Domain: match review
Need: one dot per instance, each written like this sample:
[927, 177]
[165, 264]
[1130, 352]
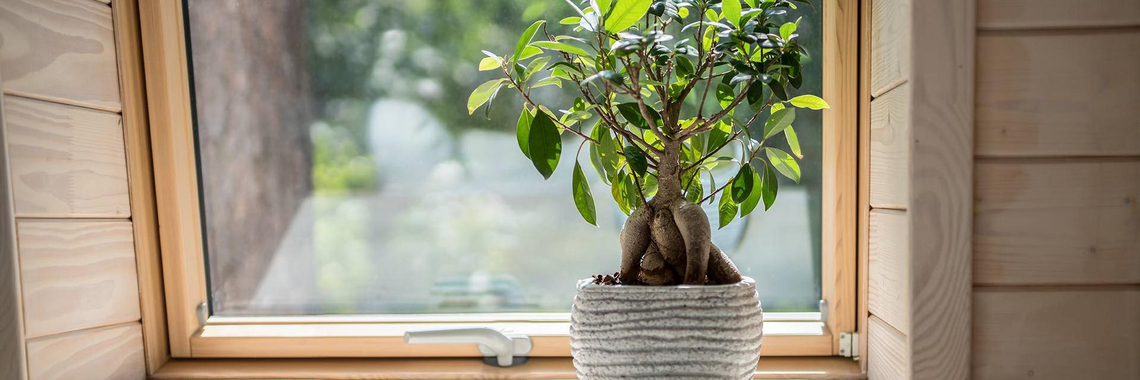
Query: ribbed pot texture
[673, 332]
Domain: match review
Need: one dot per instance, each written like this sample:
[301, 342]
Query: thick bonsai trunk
[668, 241]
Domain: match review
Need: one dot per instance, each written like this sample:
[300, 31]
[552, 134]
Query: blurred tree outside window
[342, 174]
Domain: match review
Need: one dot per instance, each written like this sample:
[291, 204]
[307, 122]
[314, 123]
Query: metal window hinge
[849, 345]
[203, 313]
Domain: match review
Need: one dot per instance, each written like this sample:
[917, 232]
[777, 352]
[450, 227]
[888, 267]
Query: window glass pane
[341, 173]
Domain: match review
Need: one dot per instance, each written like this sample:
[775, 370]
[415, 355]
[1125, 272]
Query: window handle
[503, 345]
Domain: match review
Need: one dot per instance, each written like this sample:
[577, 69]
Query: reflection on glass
[341, 173]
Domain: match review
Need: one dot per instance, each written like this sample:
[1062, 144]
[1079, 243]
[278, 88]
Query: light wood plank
[60, 50]
[940, 205]
[535, 368]
[890, 44]
[1059, 106]
[1042, 14]
[334, 339]
[1057, 222]
[839, 160]
[890, 149]
[12, 355]
[864, 197]
[175, 168]
[887, 351]
[889, 269]
[141, 181]
[66, 161]
[77, 275]
[1050, 333]
[113, 352]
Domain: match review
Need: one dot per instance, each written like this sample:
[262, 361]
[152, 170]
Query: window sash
[194, 333]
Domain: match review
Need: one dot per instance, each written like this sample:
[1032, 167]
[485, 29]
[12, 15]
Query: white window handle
[502, 345]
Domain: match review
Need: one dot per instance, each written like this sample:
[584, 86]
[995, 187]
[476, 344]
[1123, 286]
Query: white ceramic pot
[674, 332]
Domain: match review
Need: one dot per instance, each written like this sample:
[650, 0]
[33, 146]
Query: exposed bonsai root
[670, 243]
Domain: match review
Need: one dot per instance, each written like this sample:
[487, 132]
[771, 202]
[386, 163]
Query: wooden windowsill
[535, 368]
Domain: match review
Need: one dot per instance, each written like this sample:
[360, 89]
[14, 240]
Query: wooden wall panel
[1057, 221]
[1039, 14]
[11, 312]
[890, 149]
[1085, 105]
[890, 44]
[886, 352]
[66, 161]
[940, 207]
[889, 272]
[77, 275]
[114, 352]
[62, 50]
[1057, 333]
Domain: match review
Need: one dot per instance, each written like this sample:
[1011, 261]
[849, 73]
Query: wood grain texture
[890, 44]
[839, 160]
[940, 207]
[12, 355]
[535, 368]
[1041, 14]
[1059, 106]
[886, 352]
[113, 352]
[889, 269]
[175, 170]
[77, 275]
[890, 149]
[1057, 221]
[59, 50]
[323, 339]
[1057, 333]
[864, 197]
[67, 161]
[141, 183]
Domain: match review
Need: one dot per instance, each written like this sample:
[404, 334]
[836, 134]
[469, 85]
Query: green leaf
[769, 187]
[547, 82]
[742, 184]
[525, 38]
[753, 199]
[779, 120]
[684, 66]
[693, 188]
[793, 142]
[727, 207]
[725, 95]
[784, 163]
[632, 114]
[482, 94]
[809, 101]
[606, 151]
[625, 13]
[730, 9]
[787, 29]
[583, 198]
[489, 63]
[636, 161]
[718, 135]
[562, 46]
[545, 144]
[624, 192]
[522, 133]
[778, 89]
[570, 20]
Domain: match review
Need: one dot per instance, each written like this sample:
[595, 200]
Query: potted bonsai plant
[662, 82]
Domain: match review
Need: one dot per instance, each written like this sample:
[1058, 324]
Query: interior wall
[1057, 195]
[74, 240]
[920, 181]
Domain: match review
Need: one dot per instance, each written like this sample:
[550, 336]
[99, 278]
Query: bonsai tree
[662, 80]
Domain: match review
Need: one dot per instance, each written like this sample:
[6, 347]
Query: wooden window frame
[194, 334]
